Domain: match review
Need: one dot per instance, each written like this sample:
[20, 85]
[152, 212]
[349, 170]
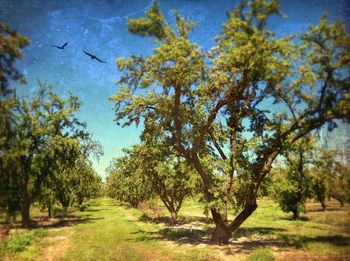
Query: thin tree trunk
[296, 214]
[49, 210]
[25, 209]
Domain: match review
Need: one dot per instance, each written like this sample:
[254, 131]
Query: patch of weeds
[20, 242]
[261, 254]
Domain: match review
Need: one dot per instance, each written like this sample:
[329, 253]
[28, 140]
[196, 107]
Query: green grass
[114, 233]
[106, 230]
[261, 255]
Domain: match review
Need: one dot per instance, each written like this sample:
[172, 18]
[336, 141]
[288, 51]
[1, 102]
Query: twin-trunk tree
[232, 111]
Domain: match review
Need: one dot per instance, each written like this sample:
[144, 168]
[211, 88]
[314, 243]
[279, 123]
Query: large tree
[240, 105]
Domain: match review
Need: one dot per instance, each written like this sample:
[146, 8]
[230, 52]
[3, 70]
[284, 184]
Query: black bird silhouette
[60, 47]
[94, 57]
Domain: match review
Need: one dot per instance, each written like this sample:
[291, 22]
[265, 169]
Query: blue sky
[99, 27]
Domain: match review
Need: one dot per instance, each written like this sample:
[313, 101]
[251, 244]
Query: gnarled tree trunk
[223, 231]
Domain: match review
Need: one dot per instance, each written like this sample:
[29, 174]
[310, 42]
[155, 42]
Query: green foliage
[11, 44]
[239, 106]
[152, 25]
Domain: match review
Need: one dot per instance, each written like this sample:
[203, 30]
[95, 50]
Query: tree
[11, 44]
[46, 137]
[126, 185]
[240, 105]
[78, 182]
[156, 172]
[330, 178]
[293, 182]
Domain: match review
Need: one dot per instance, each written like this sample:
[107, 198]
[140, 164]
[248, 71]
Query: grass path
[110, 232]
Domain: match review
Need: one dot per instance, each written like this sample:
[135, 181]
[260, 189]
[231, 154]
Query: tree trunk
[223, 213]
[295, 214]
[222, 232]
[49, 210]
[323, 205]
[25, 209]
[341, 201]
[173, 217]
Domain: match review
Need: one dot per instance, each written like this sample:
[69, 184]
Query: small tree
[292, 183]
[124, 184]
[162, 174]
[330, 177]
[73, 183]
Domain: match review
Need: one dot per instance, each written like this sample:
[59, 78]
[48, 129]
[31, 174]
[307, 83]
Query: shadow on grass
[181, 220]
[328, 209]
[301, 241]
[58, 221]
[290, 218]
[251, 231]
[178, 235]
[194, 236]
[244, 240]
[95, 210]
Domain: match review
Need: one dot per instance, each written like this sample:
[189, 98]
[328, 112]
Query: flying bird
[94, 57]
[60, 47]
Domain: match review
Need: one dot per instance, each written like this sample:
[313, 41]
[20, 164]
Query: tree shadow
[182, 220]
[95, 210]
[328, 209]
[58, 221]
[250, 231]
[178, 235]
[189, 234]
[290, 218]
[301, 241]
[66, 222]
[245, 240]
